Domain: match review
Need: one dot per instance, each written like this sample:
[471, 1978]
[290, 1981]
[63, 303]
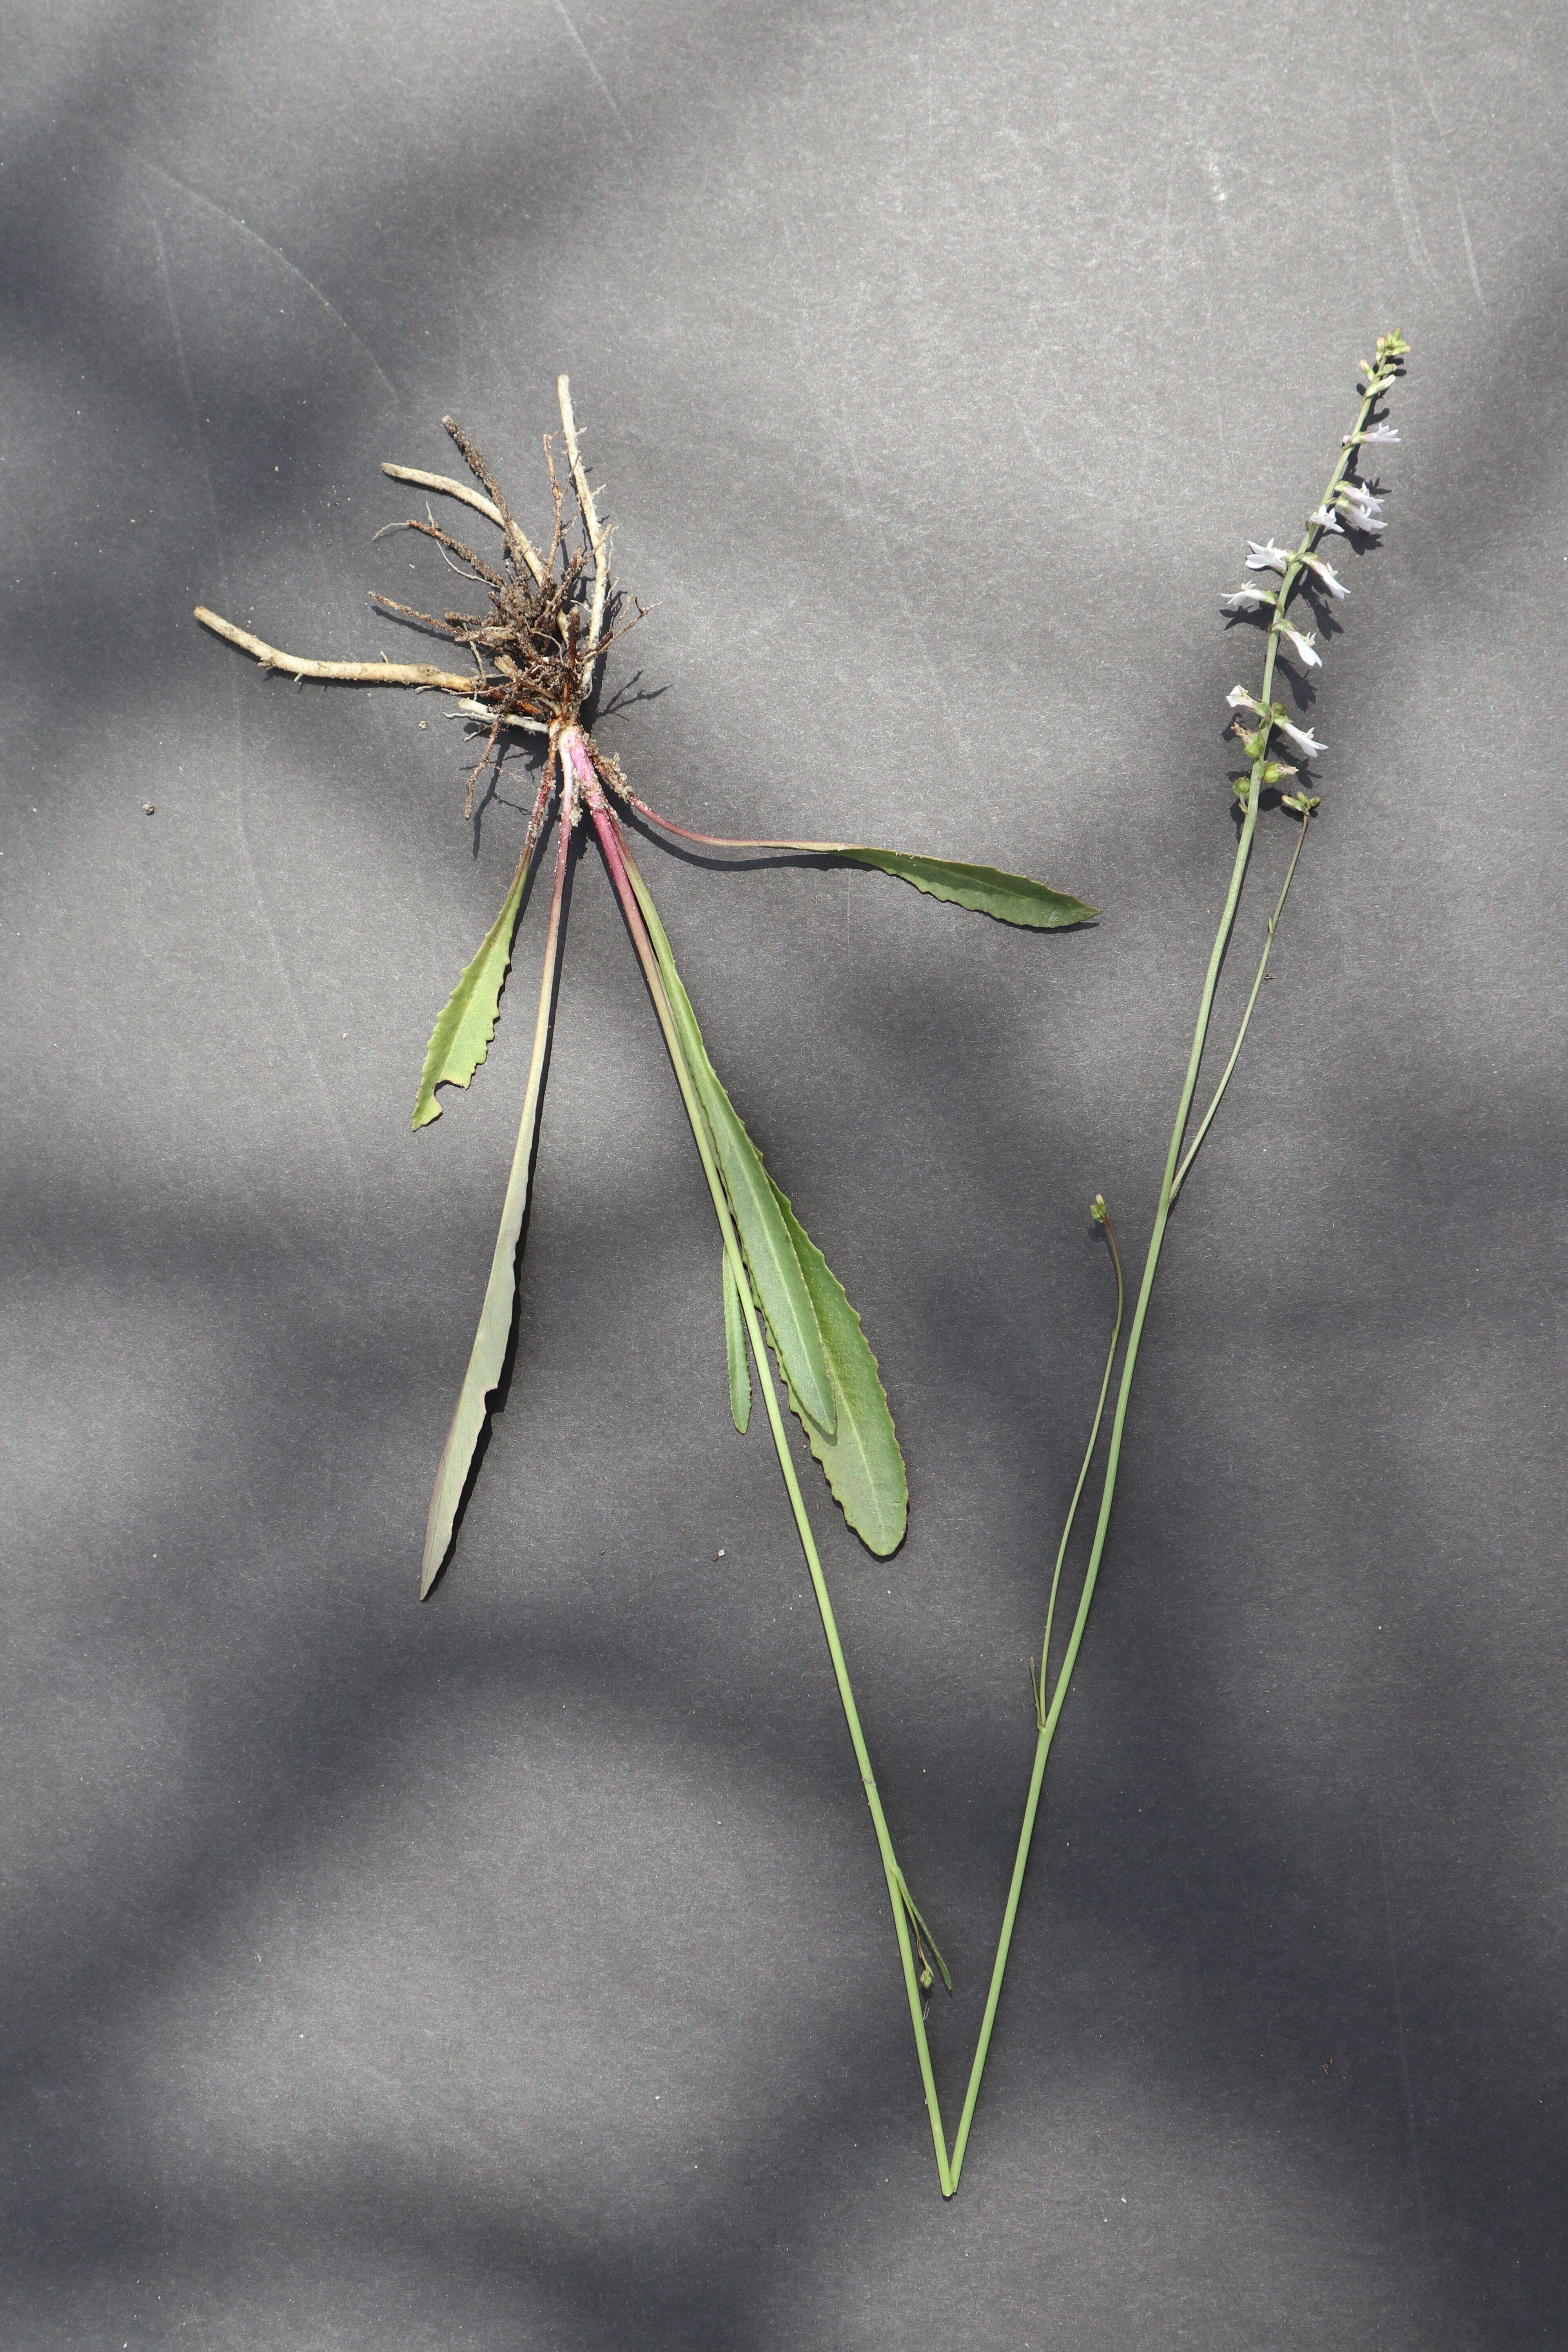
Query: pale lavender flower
[1305, 643]
[1304, 739]
[1326, 574]
[1382, 432]
[1246, 598]
[1267, 558]
[1324, 520]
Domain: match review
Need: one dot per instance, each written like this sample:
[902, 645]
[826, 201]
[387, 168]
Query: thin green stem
[1292, 570]
[1191, 1153]
[1103, 1215]
[631, 889]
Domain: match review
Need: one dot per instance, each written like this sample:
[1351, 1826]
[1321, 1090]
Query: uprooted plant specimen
[536, 649]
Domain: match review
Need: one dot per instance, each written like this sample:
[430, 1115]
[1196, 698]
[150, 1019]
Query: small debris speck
[147, 809]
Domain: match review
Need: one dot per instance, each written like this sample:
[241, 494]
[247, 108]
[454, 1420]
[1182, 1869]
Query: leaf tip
[826, 1427]
[437, 1544]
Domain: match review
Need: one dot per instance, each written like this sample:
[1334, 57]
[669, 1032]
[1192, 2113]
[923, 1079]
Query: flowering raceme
[1348, 505]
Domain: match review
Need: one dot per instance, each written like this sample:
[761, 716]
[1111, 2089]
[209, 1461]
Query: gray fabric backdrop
[516, 1971]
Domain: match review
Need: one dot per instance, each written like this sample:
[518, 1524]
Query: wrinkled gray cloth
[517, 1971]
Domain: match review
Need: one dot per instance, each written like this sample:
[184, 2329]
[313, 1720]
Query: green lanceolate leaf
[735, 1349]
[766, 1243]
[1010, 898]
[764, 1238]
[489, 1352]
[861, 1461]
[485, 1360]
[461, 1037]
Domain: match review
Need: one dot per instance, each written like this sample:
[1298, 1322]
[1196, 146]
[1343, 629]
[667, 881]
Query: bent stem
[631, 889]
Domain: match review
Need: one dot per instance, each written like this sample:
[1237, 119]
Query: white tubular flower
[1305, 741]
[1268, 558]
[1247, 599]
[1238, 698]
[1364, 512]
[1305, 642]
[1323, 520]
[1325, 572]
[1381, 433]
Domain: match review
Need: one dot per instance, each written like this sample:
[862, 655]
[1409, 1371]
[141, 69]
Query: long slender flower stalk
[1347, 505]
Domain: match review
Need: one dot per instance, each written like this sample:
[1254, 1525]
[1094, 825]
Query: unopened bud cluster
[1348, 508]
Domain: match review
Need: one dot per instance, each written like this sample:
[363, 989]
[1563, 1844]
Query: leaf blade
[466, 1022]
[735, 1349]
[484, 1368]
[862, 1462]
[766, 1241]
[487, 1355]
[985, 889]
